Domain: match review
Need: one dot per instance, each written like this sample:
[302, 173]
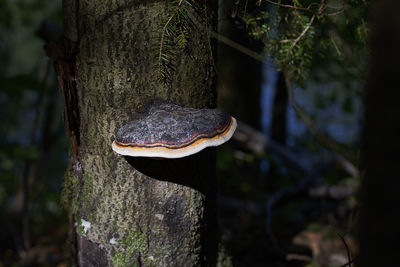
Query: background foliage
[33, 147]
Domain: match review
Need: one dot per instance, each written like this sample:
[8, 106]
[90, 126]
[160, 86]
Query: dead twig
[255, 141]
[340, 11]
[305, 30]
[350, 260]
[302, 34]
[249, 139]
[278, 196]
[237, 46]
[298, 257]
[308, 9]
[336, 192]
[322, 138]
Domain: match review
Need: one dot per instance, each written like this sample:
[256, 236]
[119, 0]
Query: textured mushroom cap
[167, 130]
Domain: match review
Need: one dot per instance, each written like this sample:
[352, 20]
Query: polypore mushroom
[167, 130]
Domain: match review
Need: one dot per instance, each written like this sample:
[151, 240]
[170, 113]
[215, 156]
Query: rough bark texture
[137, 212]
[379, 217]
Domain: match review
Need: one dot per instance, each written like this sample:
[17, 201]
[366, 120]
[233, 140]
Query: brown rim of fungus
[166, 130]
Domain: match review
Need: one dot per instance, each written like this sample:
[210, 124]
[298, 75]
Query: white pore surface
[162, 152]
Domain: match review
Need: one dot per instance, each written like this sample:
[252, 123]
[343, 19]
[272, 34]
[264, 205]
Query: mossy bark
[139, 212]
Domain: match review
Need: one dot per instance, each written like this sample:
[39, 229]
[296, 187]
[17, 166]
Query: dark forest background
[293, 75]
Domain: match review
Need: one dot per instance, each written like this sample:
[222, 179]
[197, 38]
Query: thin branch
[255, 141]
[237, 46]
[350, 262]
[340, 11]
[298, 257]
[249, 139]
[304, 186]
[278, 196]
[346, 165]
[336, 47]
[321, 137]
[349, 258]
[305, 30]
[308, 9]
[336, 192]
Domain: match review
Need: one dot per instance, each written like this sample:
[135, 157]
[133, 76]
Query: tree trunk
[240, 76]
[137, 212]
[379, 200]
[278, 125]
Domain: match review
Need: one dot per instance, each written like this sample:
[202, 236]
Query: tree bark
[278, 125]
[379, 222]
[136, 211]
[240, 76]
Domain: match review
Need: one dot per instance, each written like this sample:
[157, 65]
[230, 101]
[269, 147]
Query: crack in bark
[63, 54]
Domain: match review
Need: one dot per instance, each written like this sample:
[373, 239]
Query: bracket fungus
[167, 130]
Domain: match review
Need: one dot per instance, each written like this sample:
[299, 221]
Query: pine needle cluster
[301, 34]
[175, 37]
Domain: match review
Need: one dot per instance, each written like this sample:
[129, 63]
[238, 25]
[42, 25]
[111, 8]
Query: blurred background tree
[378, 230]
[33, 146]
[293, 202]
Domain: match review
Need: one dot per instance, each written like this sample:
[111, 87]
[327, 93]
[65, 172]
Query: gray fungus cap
[167, 130]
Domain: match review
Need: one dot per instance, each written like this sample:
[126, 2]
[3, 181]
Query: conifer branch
[164, 31]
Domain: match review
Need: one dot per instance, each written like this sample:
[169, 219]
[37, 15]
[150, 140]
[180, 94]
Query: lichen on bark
[132, 246]
[69, 193]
